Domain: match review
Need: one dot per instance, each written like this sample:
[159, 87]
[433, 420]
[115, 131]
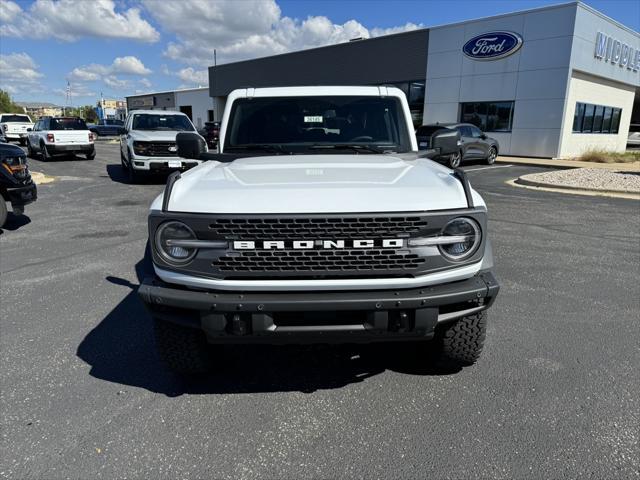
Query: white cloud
[248, 29]
[77, 91]
[70, 20]
[193, 77]
[19, 74]
[8, 11]
[117, 83]
[128, 65]
[145, 82]
[18, 67]
[407, 27]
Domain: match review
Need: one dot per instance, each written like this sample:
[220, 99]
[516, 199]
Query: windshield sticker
[313, 119]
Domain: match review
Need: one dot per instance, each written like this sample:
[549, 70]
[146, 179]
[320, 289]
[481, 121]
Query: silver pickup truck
[317, 221]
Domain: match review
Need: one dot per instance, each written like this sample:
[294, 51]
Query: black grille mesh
[318, 260]
[161, 149]
[316, 228]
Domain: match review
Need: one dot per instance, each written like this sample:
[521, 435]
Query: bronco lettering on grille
[317, 244]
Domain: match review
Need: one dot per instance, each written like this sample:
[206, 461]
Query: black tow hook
[239, 325]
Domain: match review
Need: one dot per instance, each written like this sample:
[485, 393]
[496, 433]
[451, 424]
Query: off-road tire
[30, 152]
[91, 156]
[3, 211]
[184, 350]
[22, 141]
[460, 343]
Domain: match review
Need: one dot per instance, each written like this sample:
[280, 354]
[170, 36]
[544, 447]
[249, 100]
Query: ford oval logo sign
[492, 45]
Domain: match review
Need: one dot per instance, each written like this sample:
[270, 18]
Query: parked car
[14, 126]
[16, 185]
[211, 133]
[474, 144]
[60, 136]
[148, 143]
[106, 127]
[633, 140]
[319, 221]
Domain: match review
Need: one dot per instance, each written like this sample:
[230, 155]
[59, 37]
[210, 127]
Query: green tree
[7, 105]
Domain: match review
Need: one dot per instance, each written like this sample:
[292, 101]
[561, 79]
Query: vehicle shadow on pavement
[121, 349]
[117, 174]
[14, 222]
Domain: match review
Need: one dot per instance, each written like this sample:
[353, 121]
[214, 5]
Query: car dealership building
[549, 82]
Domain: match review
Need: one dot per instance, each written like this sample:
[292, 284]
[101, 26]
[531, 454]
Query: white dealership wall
[199, 101]
[542, 77]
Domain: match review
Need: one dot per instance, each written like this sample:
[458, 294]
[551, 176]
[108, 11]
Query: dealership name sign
[492, 45]
[618, 53]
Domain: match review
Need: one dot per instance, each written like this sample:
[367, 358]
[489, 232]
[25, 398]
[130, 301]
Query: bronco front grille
[360, 260]
[316, 227]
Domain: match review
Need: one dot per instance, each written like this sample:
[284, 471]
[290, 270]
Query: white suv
[148, 143]
[13, 126]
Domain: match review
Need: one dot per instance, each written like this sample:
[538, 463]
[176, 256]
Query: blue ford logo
[492, 45]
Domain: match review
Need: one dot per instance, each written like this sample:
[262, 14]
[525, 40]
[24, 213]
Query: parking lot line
[487, 168]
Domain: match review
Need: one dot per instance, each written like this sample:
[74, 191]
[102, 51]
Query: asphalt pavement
[83, 394]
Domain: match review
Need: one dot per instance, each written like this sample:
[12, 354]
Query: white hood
[317, 184]
[154, 135]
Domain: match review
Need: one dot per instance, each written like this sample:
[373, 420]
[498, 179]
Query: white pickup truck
[148, 143]
[60, 136]
[319, 221]
[14, 126]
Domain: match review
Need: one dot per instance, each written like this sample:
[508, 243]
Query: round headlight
[468, 232]
[170, 242]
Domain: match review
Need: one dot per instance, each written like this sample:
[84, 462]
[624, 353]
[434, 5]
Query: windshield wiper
[264, 147]
[349, 146]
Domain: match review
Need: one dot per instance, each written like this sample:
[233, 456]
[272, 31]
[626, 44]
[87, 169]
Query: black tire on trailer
[184, 350]
[459, 343]
[3, 211]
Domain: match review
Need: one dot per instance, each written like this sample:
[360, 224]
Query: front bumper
[23, 195]
[162, 165]
[318, 317]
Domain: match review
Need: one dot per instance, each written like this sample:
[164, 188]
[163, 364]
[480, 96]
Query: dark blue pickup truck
[107, 127]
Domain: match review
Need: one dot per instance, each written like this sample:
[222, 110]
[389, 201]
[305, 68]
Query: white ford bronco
[318, 221]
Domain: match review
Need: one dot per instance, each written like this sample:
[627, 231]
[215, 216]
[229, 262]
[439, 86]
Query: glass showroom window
[589, 118]
[488, 116]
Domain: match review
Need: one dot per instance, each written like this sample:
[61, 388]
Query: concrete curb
[547, 187]
[40, 178]
[564, 164]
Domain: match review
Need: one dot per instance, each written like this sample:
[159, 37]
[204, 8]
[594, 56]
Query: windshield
[67, 124]
[16, 118]
[179, 123]
[302, 123]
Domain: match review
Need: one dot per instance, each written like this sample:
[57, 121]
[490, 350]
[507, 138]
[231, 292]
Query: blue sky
[121, 47]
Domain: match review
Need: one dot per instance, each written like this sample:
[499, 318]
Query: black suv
[16, 185]
[474, 144]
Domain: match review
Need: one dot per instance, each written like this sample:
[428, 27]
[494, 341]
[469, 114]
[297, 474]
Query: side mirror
[190, 145]
[29, 129]
[483, 136]
[446, 141]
